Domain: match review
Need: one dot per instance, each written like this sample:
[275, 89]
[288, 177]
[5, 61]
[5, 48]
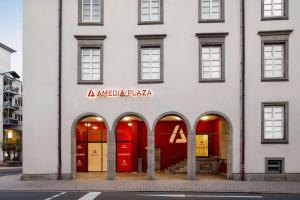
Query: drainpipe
[242, 94]
[59, 177]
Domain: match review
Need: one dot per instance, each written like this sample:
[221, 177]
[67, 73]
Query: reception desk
[207, 165]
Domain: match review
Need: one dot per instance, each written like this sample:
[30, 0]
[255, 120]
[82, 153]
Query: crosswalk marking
[90, 196]
[55, 196]
[200, 196]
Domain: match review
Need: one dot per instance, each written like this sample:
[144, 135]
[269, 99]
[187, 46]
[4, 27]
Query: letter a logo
[178, 140]
[91, 94]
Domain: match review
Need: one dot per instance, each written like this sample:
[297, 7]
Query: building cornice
[211, 35]
[7, 48]
[276, 32]
[90, 37]
[150, 37]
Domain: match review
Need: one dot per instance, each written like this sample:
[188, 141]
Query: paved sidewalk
[13, 183]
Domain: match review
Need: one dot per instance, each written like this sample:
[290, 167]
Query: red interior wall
[212, 129]
[136, 137]
[171, 153]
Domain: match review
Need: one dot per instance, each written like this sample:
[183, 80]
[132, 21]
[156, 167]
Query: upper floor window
[90, 12]
[274, 123]
[211, 10]
[150, 11]
[212, 57]
[150, 58]
[90, 59]
[274, 9]
[274, 55]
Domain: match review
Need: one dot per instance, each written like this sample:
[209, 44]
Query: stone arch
[183, 117]
[230, 138]
[73, 138]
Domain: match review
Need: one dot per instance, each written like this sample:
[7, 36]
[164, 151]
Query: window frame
[285, 126]
[150, 41]
[285, 12]
[89, 42]
[282, 159]
[212, 39]
[80, 15]
[222, 14]
[161, 14]
[275, 37]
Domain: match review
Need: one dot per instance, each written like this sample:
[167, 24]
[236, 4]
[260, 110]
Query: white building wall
[258, 92]
[180, 91]
[40, 87]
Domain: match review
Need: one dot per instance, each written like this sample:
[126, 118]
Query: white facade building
[178, 63]
[10, 107]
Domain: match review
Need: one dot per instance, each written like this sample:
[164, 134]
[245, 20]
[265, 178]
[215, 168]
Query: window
[150, 58]
[273, 60]
[211, 62]
[274, 123]
[211, 10]
[90, 64]
[212, 57]
[274, 55]
[90, 59]
[274, 9]
[150, 11]
[150, 61]
[274, 165]
[90, 12]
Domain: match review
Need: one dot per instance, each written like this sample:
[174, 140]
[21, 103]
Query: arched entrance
[131, 132]
[90, 147]
[170, 142]
[213, 146]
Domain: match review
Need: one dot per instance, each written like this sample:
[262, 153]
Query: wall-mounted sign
[176, 131]
[92, 94]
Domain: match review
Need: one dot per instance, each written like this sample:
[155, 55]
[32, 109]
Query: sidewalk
[13, 183]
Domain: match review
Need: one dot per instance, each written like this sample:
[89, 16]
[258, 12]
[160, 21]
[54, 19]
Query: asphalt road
[141, 196]
[7, 172]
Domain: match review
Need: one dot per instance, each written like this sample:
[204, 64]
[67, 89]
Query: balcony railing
[11, 89]
[9, 104]
[11, 121]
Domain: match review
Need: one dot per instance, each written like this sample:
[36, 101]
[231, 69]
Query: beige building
[161, 87]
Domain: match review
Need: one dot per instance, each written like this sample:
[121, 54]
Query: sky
[11, 20]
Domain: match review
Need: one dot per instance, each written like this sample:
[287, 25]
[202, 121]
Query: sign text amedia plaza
[104, 93]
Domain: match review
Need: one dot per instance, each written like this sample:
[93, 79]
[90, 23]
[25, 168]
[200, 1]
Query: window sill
[90, 24]
[274, 141]
[211, 80]
[150, 23]
[150, 81]
[211, 21]
[90, 82]
[274, 18]
[274, 80]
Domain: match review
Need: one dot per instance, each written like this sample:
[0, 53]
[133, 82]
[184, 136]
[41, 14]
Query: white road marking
[90, 196]
[55, 196]
[225, 196]
[200, 196]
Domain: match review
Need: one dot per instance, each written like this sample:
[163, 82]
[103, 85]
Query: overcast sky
[11, 17]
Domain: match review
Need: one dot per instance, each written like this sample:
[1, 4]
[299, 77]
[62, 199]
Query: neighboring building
[155, 86]
[10, 107]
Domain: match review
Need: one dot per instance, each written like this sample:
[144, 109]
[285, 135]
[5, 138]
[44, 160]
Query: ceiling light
[126, 118]
[95, 127]
[99, 119]
[10, 135]
[204, 118]
[129, 124]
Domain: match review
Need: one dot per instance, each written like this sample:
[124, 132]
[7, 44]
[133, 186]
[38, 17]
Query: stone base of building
[291, 177]
[41, 177]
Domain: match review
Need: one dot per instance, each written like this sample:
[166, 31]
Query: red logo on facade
[91, 94]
